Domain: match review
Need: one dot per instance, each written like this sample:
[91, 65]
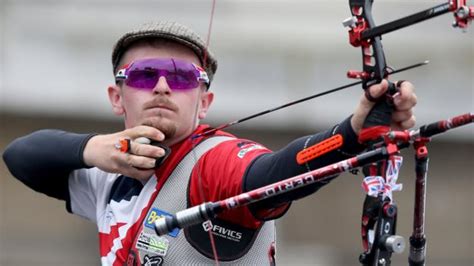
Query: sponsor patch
[246, 148]
[156, 214]
[243, 143]
[152, 243]
[152, 261]
[221, 231]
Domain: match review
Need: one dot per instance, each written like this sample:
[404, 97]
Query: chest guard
[192, 246]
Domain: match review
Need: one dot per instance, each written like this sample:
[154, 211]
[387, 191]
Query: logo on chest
[152, 261]
[155, 214]
[221, 231]
[153, 244]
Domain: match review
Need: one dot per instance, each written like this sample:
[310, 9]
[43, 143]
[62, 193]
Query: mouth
[161, 105]
[160, 111]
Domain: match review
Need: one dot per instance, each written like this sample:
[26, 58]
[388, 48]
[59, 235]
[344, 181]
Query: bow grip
[379, 118]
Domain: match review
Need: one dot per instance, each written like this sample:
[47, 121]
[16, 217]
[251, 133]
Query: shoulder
[237, 149]
[221, 169]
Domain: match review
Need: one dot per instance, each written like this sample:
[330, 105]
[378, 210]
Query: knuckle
[160, 152]
[130, 160]
[129, 131]
[114, 156]
[137, 148]
[150, 163]
[406, 115]
[115, 167]
[143, 162]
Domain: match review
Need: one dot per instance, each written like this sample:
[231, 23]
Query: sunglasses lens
[181, 79]
[179, 74]
[142, 79]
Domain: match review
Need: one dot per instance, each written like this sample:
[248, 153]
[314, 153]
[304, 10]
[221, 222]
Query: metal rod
[406, 21]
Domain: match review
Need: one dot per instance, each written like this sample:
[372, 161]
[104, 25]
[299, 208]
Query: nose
[162, 87]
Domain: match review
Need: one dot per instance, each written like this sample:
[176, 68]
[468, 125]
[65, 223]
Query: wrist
[356, 124]
[87, 152]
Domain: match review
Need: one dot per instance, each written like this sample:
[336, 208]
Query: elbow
[12, 158]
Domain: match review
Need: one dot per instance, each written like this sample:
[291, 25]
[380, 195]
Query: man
[163, 72]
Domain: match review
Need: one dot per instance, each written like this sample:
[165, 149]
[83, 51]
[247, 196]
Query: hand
[404, 101]
[138, 163]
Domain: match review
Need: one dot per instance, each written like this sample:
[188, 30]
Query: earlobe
[206, 100]
[115, 98]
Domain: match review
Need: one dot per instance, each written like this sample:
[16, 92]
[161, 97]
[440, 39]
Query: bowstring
[195, 141]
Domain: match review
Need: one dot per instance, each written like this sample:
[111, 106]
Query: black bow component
[379, 215]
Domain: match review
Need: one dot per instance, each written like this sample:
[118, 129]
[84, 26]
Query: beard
[166, 126]
[158, 120]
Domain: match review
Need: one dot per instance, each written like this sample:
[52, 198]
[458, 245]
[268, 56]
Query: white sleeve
[88, 191]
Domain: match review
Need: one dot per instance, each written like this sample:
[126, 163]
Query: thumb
[365, 105]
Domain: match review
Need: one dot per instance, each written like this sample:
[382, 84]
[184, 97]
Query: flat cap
[171, 31]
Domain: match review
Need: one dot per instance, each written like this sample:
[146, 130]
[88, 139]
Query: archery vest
[191, 246]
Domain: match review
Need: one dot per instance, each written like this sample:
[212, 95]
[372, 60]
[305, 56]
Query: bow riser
[365, 34]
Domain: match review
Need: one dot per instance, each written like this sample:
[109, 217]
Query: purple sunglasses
[179, 74]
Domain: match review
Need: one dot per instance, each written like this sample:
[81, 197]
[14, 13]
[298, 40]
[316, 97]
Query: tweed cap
[171, 31]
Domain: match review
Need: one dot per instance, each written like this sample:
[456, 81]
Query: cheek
[133, 101]
[190, 104]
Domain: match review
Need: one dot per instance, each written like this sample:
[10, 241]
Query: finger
[409, 123]
[365, 105]
[121, 164]
[145, 131]
[376, 91]
[400, 116]
[406, 98]
[406, 124]
[140, 161]
[146, 150]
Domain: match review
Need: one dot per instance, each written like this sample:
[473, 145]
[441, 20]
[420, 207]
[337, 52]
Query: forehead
[162, 50]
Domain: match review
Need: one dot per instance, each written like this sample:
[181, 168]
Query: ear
[206, 100]
[115, 98]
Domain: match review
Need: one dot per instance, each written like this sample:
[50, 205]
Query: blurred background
[55, 68]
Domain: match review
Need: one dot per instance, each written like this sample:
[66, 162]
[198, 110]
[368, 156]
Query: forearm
[44, 159]
[277, 166]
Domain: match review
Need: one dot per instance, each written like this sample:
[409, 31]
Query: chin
[166, 126]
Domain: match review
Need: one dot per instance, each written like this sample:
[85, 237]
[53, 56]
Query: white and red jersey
[123, 207]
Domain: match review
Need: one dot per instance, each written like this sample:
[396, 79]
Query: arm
[273, 167]
[270, 168]
[44, 159]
